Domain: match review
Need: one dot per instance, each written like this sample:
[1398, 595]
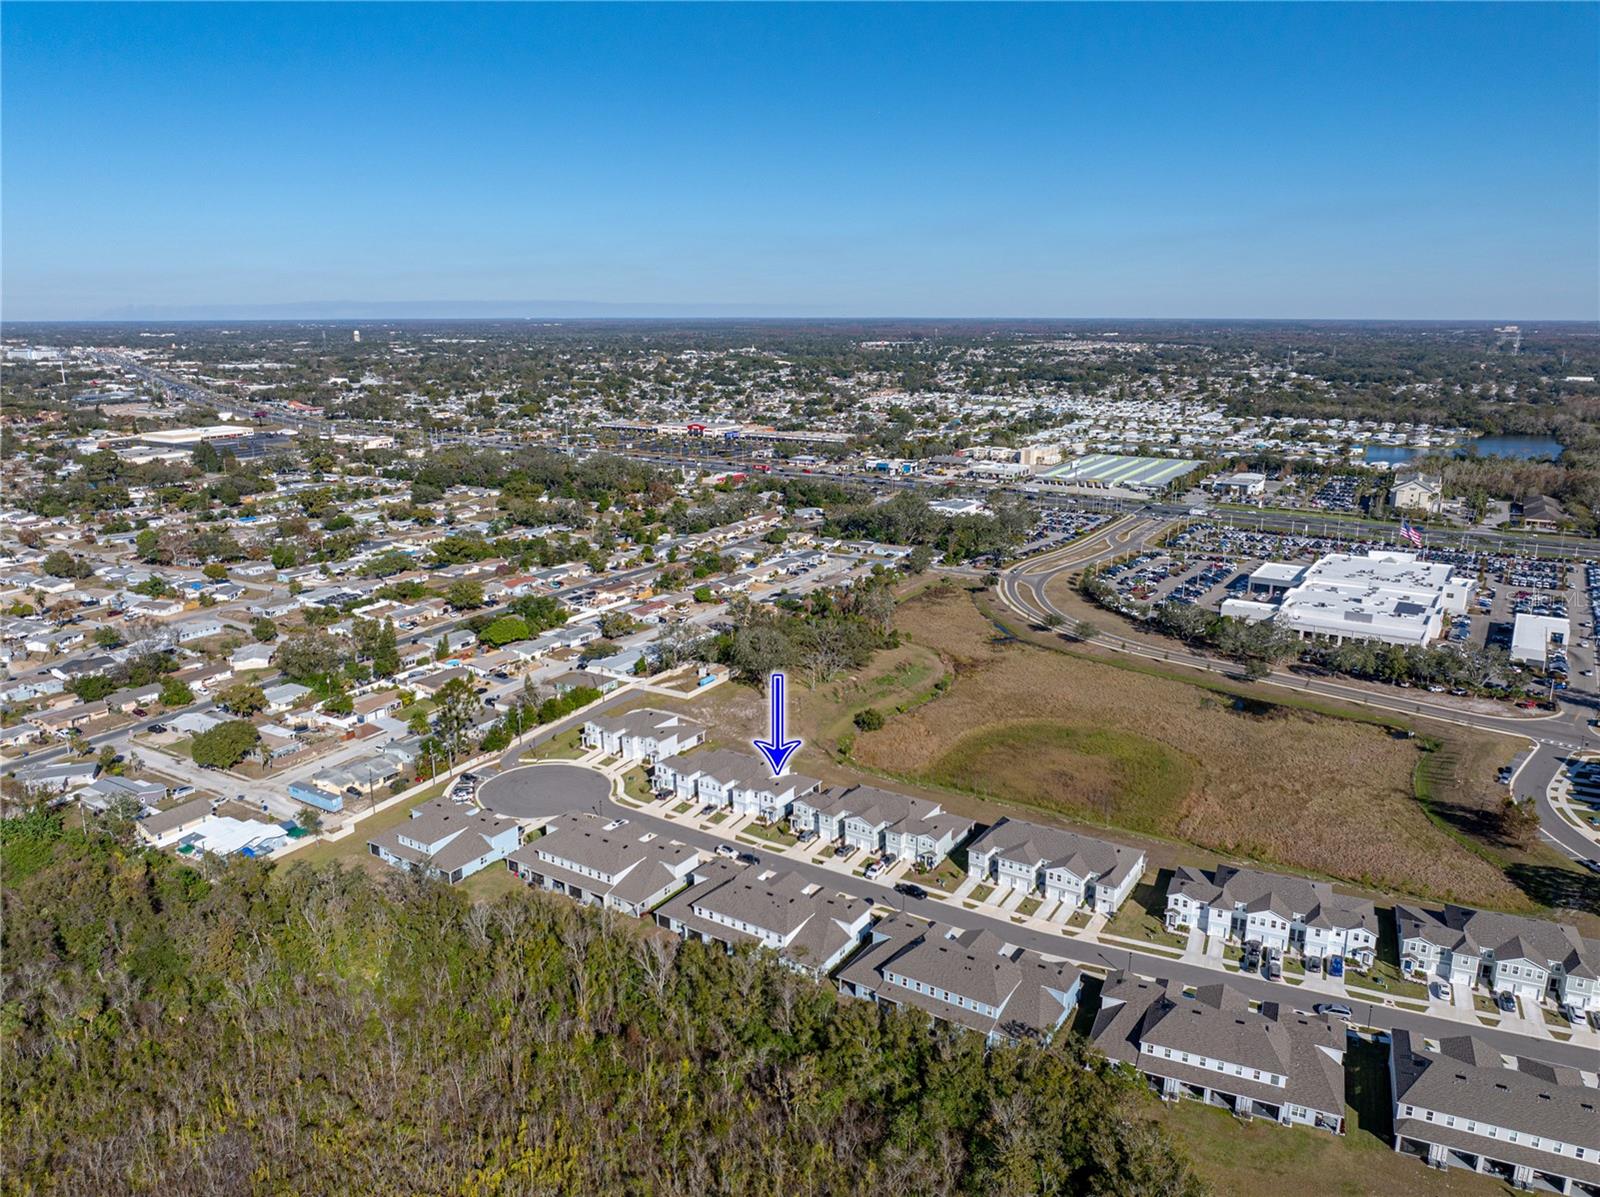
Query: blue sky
[1393, 161]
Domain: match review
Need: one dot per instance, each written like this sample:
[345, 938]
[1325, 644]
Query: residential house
[810, 927]
[1210, 1044]
[1274, 910]
[1061, 865]
[167, 827]
[447, 839]
[644, 735]
[1533, 959]
[251, 656]
[883, 821]
[197, 627]
[285, 695]
[605, 863]
[1461, 1103]
[58, 778]
[739, 781]
[970, 978]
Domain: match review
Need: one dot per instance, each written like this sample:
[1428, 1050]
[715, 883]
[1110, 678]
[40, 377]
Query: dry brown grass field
[1092, 741]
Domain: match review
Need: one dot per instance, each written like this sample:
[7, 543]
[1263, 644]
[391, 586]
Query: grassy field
[1258, 1156]
[1126, 778]
[567, 746]
[1075, 737]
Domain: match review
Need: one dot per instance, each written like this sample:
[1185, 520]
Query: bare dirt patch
[1275, 784]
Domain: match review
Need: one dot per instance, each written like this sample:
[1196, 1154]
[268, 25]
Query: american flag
[1411, 532]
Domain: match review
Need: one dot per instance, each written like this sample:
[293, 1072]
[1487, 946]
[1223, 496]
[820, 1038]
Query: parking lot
[1059, 525]
[1207, 562]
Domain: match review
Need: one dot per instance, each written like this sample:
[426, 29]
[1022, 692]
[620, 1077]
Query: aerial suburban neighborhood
[795, 600]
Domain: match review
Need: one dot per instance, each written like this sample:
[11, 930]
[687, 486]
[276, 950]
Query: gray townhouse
[1533, 959]
[809, 927]
[880, 821]
[1061, 865]
[1211, 1045]
[738, 781]
[605, 863]
[971, 979]
[1460, 1103]
[449, 841]
[1274, 910]
[645, 735]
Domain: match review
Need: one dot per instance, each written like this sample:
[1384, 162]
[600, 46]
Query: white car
[727, 851]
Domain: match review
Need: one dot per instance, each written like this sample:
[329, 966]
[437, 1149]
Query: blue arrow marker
[775, 748]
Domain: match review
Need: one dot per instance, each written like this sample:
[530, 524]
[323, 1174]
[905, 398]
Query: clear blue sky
[1404, 161]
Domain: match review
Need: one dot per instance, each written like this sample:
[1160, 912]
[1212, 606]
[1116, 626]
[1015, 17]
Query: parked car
[910, 891]
[1438, 991]
[749, 858]
[873, 870]
[727, 851]
[1337, 1009]
[1592, 865]
[1506, 1002]
[158, 728]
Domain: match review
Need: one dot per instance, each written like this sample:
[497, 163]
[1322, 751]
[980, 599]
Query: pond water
[1525, 448]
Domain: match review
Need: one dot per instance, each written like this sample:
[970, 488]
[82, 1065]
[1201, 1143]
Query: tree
[702, 594]
[1053, 620]
[465, 594]
[176, 694]
[1085, 629]
[456, 709]
[1519, 822]
[310, 658]
[243, 698]
[339, 704]
[385, 651]
[616, 623]
[214, 570]
[62, 564]
[309, 820]
[225, 745]
[870, 719]
[919, 559]
[264, 629]
[418, 722]
[206, 458]
[508, 629]
[107, 637]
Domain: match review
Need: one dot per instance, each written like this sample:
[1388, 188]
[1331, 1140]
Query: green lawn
[565, 747]
[1029, 905]
[490, 883]
[773, 834]
[1386, 976]
[354, 846]
[637, 786]
[946, 876]
[1143, 915]
[982, 893]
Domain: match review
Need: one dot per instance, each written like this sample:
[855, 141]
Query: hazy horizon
[794, 161]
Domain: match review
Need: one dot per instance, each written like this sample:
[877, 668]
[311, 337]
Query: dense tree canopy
[316, 1030]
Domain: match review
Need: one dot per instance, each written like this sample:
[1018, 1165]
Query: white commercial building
[1532, 635]
[1386, 596]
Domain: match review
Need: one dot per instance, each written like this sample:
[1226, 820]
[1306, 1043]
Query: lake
[1524, 448]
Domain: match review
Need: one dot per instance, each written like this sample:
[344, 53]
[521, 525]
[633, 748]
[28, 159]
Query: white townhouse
[735, 780]
[1062, 865]
[1460, 1103]
[880, 821]
[1533, 959]
[811, 928]
[447, 840]
[644, 735]
[605, 863]
[1274, 910]
[1210, 1044]
[972, 979]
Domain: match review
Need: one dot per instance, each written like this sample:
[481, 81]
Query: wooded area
[314, 1030]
